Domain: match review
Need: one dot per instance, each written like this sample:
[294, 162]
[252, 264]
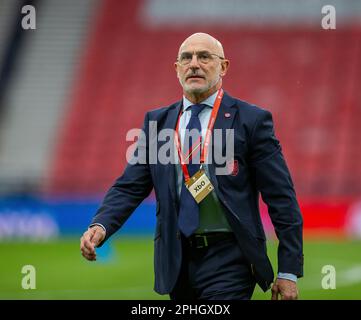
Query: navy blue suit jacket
[261, 170]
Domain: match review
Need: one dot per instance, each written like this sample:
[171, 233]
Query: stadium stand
[308, 77]
[37, 91]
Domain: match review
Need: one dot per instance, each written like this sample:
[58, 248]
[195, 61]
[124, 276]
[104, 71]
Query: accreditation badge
[199, 185]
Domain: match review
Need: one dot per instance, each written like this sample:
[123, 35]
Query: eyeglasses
[202, 56]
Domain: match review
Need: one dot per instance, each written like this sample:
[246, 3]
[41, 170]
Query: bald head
[204, 40]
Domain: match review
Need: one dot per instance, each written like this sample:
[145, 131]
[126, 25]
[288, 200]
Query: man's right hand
[90, 240]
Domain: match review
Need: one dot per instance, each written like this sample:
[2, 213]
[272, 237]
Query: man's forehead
[201, 44]
[196, 46]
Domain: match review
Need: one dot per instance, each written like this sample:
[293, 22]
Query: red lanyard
[198, 144]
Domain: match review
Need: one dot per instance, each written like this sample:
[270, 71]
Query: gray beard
[199, 91]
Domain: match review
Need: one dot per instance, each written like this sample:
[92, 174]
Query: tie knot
[197, 108]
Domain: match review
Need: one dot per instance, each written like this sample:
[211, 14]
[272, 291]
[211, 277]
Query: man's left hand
[287, 289]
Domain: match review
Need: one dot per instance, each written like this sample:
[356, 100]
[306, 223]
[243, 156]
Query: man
[211, 244]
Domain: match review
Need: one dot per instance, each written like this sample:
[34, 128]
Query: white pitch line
[350, 276]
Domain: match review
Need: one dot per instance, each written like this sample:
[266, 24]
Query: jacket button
[178, 235]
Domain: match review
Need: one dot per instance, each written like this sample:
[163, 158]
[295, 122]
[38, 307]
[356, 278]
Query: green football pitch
[124, 270]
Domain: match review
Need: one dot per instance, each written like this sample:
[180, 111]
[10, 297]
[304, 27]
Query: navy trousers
[216, 272]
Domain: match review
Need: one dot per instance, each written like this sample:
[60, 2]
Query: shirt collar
[209, 101]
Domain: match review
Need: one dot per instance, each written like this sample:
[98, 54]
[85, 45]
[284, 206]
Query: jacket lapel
[224, 121]
[170, 123]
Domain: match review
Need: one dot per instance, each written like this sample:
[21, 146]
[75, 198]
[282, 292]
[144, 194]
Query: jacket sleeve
[273, 180]
[128, 191]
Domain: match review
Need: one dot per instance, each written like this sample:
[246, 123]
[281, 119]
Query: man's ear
[224, 67]
[176, 68]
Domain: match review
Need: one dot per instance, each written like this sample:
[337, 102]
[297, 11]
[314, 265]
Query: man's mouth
[194, 77]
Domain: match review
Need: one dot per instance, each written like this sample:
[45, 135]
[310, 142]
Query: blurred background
[71, 88]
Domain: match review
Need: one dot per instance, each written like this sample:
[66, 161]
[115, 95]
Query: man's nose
[194, 62]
